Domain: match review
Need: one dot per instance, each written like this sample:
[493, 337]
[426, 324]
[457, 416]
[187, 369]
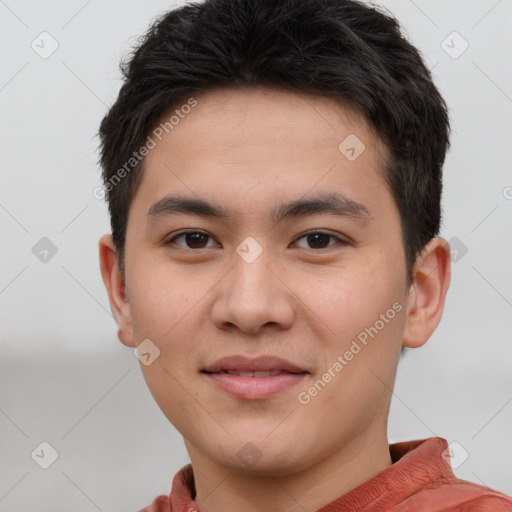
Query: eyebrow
[331, 203]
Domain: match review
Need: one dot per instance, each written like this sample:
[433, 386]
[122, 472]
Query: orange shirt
[419, 479]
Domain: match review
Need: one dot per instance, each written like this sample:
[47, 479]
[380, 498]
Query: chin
[255, 456]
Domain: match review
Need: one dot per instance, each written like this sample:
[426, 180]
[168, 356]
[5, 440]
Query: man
[273, 174]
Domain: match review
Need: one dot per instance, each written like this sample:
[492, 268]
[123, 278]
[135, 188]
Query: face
[320, 284]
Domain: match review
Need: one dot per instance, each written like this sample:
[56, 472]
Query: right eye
[193, 239]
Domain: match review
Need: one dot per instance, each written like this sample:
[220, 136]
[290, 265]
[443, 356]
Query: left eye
[319, 238]
[198, 240]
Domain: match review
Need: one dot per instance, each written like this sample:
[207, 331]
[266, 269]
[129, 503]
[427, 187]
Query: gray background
[67, 380]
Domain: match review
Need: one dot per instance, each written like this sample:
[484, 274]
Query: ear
[115, 286]
[432, 272]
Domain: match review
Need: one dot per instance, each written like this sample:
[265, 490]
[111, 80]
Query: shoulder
[487, 499]
[460, 496]
[483, 498]
[491, 502]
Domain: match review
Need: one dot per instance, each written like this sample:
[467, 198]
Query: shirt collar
[414, 464]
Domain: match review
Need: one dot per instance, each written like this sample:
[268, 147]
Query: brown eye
[193, 239]
[319, 239]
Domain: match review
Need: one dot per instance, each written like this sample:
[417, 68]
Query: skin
[250, 151]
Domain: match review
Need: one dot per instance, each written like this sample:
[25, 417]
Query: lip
[254, 388]
[246, 364]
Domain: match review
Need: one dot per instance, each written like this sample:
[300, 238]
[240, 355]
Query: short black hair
[346, 50]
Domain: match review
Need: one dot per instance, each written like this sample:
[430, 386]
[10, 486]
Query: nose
[254, 295]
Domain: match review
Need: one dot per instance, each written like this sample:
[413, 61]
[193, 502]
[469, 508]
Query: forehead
[251, 115]
[263, 143]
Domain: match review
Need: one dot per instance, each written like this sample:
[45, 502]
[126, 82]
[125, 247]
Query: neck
[221, 489]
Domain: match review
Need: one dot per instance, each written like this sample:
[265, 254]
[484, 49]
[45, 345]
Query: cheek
[160, 299]
[173, 393]
[164, 314]
[361, 302]
[342, 300]
[164, 305]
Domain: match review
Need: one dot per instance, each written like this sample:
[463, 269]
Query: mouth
[257, 374]
[258, 366]
[254, 379]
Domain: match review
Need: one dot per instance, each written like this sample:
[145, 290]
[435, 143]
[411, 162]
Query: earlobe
[115, 286]
[125, 337]
[428, 292]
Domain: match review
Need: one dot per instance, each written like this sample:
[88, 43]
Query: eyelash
[183, 233]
